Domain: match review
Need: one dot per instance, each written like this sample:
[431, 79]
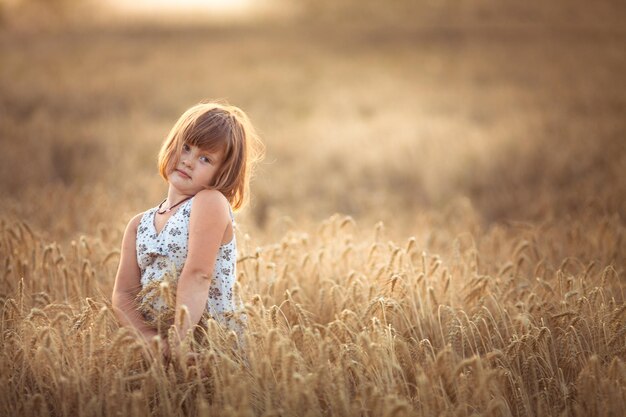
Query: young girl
[207, 161]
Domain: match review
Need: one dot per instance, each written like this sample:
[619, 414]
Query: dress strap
[232, 216]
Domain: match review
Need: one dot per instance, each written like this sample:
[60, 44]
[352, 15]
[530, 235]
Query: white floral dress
[158, 253]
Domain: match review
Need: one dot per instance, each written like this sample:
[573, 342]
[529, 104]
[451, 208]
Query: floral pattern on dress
[214, 293]
[162, 252]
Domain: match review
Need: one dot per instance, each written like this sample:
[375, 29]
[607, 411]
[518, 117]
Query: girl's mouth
[182, 174]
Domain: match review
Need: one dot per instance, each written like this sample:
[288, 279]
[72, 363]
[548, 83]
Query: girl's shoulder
[133, 224]
[210, 219]
[211, 195]
[212, 201]
[136, 221]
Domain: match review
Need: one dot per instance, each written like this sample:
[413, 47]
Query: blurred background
[398, 111]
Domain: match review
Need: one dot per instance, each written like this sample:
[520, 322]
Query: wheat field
[438, 228]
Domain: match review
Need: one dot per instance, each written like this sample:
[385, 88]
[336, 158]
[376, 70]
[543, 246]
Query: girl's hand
[148, 334]
[167, 356]
[158, 346]
[189, 358]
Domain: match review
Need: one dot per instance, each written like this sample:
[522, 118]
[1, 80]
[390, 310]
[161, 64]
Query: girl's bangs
[212, 144]
[213, 139]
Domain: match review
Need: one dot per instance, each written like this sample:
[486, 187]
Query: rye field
[438, 227]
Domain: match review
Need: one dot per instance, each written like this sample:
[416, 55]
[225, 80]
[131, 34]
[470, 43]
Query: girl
[207, 160]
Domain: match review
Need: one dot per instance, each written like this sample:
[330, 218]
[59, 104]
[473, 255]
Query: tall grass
[341, 322]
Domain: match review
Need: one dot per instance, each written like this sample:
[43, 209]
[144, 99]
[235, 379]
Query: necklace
[167, 210]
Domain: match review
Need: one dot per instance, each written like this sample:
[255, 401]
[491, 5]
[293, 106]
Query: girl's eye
[186, 147]
[205, 159]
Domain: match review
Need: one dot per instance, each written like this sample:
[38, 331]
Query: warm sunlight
[183, 6]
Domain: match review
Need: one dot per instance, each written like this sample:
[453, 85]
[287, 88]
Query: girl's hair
[214, 126]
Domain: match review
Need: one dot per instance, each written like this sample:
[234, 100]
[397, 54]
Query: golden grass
[493, 154]
[341, 322]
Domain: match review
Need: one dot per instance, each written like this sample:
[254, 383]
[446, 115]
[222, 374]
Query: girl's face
[194, 170]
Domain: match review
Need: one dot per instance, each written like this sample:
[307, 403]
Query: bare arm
[127, 284]
[207, 224]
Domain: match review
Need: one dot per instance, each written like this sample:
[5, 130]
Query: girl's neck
[174, 196]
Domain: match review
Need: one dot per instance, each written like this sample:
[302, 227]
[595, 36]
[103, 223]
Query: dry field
[438, 228]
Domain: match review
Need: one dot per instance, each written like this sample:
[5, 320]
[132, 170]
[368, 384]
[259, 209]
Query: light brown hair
[213, 126]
